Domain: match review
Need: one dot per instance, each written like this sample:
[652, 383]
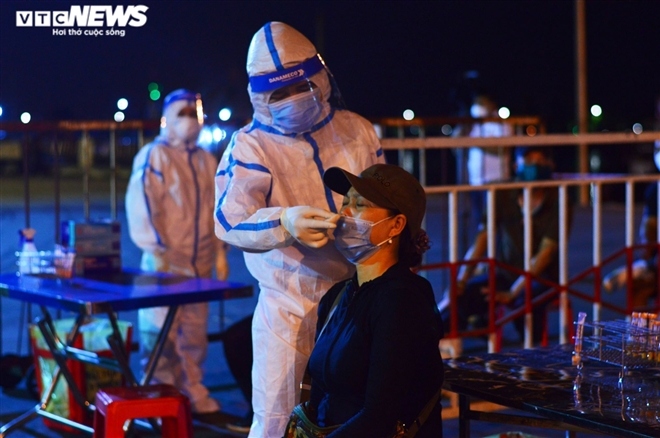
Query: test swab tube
[577, 351]
[655, 340]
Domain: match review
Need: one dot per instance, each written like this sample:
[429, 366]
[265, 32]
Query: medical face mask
[534, 172]
[297, 113]
[478, 111]
[353, 238]
[186, 128]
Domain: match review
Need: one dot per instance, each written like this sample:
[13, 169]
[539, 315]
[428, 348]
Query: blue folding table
[105, 294]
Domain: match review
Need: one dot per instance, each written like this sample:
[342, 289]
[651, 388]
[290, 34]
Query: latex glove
[309, 225]
[221, 265]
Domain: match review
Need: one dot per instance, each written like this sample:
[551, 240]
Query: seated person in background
[473, 292]
[649, 235]
[376, 358]
[644, 269]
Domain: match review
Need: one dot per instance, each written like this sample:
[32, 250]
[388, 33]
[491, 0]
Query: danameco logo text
[92, 18]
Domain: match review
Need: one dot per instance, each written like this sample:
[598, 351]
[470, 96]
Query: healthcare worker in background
[169, 208]
[272, 203]
[486, 164]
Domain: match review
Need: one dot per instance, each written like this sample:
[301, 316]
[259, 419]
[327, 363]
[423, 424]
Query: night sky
[386, 56]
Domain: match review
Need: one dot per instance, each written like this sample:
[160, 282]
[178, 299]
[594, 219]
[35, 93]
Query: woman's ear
[400, 222]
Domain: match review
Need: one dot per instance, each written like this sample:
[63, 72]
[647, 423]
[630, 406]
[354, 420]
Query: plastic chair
[116, 405]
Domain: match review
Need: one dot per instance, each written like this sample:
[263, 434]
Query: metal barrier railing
[590, 187]
[72, 141]
[592, 183]
[562, 184]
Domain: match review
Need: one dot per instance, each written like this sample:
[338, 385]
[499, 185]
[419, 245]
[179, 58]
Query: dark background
[386, 55]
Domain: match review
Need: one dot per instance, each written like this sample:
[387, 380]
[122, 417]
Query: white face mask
[353, 238]
[186, 129]
[478, 111]
[297, 113]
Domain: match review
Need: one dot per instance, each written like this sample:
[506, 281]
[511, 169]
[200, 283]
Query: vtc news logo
[85, 16]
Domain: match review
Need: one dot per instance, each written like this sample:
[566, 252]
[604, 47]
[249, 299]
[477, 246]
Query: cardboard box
[97, 247]
[84, 265]
[73, 231]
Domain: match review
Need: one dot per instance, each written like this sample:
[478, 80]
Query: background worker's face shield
[295, 101]
[183, 118]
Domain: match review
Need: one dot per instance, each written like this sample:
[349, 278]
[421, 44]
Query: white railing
[588, 182]
[563, 183]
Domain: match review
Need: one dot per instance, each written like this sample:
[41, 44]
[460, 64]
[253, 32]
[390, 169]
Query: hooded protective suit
[266, 168]
[169, 208]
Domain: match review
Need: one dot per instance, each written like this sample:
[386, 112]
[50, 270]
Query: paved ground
[218, 378]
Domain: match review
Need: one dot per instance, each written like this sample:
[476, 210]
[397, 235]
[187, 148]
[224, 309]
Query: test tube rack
[629, 344]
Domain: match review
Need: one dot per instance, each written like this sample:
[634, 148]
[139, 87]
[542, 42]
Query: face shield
[295, 99]
[183, 118]
[478, 111]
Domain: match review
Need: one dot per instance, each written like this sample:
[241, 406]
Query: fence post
[597, 248]
[491, 251]
[453, 254]
[113, 173]
[528, 250]
[563, 262]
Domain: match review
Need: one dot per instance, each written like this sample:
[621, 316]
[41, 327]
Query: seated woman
[376, 360]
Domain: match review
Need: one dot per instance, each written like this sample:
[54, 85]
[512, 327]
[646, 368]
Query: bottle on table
[28, 256]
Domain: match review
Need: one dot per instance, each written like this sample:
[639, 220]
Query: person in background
[649, 226]
[645, 286]
[644, 270]
[485, 164]
[271, 203]
[473, 291]
[376, 359]
[169, 208]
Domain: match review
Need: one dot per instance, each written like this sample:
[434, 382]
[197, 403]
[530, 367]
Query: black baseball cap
[386, 185]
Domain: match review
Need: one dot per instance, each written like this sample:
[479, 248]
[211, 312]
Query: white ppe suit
[169, 209]
[488, 164]
[264, 170]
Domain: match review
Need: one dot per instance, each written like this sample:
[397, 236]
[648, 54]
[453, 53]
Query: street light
[26, 117]
[154, 91]
[122, 104]
[224, 114]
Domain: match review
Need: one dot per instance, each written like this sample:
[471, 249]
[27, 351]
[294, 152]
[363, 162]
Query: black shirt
[510, 232]
[377, 361]
[651, 200]
[651, 211]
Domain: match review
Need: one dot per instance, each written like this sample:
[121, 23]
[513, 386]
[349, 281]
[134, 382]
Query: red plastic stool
[116, 405]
